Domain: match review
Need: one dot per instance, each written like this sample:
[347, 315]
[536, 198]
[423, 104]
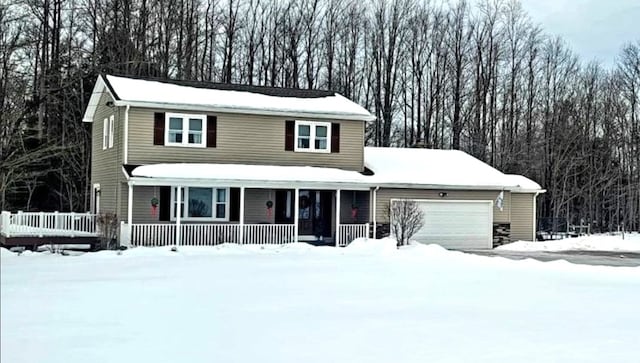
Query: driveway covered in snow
[601, 258]
[606, 250]
[366, 303]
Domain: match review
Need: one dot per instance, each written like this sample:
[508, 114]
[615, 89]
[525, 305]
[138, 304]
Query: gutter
[146, 181]
[249, 111]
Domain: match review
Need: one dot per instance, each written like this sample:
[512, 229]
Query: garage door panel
[456, 224]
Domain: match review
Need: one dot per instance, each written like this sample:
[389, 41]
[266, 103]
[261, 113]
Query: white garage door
[457, 224]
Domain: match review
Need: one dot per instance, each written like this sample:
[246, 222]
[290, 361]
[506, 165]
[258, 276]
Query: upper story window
[313, 136]
[108, 131]
[185, 130]
[201, 204]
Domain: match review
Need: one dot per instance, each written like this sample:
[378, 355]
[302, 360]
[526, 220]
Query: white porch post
[337, 217]
[296, 213]
[130, 208]
[129, 230]
[178, 214]
[241, 215]
[375, 200]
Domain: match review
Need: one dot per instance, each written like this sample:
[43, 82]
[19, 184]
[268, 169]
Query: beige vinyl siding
[106, 165]
[243, 139]
[141, 204]
[384, 196]
[346, 204]
[255, 206]
[522, 219]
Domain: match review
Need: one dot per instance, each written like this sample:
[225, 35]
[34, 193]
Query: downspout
[375, 202]
[126, 135]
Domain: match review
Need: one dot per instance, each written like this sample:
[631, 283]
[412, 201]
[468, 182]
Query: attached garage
[457, 224]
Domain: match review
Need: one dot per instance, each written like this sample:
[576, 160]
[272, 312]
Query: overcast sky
[595, 29]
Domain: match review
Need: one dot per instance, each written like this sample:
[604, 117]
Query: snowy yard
[630, 242]
[365, 303]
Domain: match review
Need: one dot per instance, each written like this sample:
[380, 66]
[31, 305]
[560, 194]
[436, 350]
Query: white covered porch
[244, 209]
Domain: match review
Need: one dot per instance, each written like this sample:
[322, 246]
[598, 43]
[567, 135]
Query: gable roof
[230, 98]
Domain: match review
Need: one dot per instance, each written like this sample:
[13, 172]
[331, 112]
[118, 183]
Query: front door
[314, 219]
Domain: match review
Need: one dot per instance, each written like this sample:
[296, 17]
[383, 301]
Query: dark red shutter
[289, 135]
[165, 204]
[335, 137]
[158, 128]
[212, 131]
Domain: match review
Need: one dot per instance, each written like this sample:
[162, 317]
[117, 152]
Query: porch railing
[210, 234]
[214, 234]
[41, 224]
[153, 234]
[268, 233]
[349, 232]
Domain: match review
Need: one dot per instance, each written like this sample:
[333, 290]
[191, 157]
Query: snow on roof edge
[189, 172]
[233, 101]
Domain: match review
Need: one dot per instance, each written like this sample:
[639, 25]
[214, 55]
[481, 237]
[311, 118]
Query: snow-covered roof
[523, 183]
[391, 167]
[225, 98]
[249, 175]
[438, 168]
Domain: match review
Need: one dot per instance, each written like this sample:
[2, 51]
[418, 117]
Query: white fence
[210, 234]
[349, 232]
[41, 224]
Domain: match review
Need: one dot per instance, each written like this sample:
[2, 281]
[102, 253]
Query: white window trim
[214, 203]
[105, 133]
[312, 136]
[111, 130]
[185, 129]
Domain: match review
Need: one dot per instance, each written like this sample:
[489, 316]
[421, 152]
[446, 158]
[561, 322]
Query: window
[108, 132]
[313, 136]
[201, 203]
[105, 134]
[111, 131]
[185, 130]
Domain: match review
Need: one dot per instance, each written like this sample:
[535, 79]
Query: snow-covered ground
[630, 242]
[366, 303]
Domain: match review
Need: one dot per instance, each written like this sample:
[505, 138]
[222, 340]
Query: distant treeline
[478, 77]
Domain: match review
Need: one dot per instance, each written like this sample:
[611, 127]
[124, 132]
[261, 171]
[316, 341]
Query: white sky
[594, 29]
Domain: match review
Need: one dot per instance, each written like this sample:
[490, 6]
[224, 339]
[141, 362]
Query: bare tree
[406, 220]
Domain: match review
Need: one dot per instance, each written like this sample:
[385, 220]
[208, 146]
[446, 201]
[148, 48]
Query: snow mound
[5, 253]
[426, 248]
[630, 243]
[375, 246]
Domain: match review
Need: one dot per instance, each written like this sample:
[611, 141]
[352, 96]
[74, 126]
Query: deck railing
[40, 224]
[349, 232]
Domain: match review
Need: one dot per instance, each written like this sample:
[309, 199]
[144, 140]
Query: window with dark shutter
[165, 204]
[335, 137]
[158, 128]
[212, 131]
[289, 135]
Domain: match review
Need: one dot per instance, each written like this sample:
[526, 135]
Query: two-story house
[199, 163]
